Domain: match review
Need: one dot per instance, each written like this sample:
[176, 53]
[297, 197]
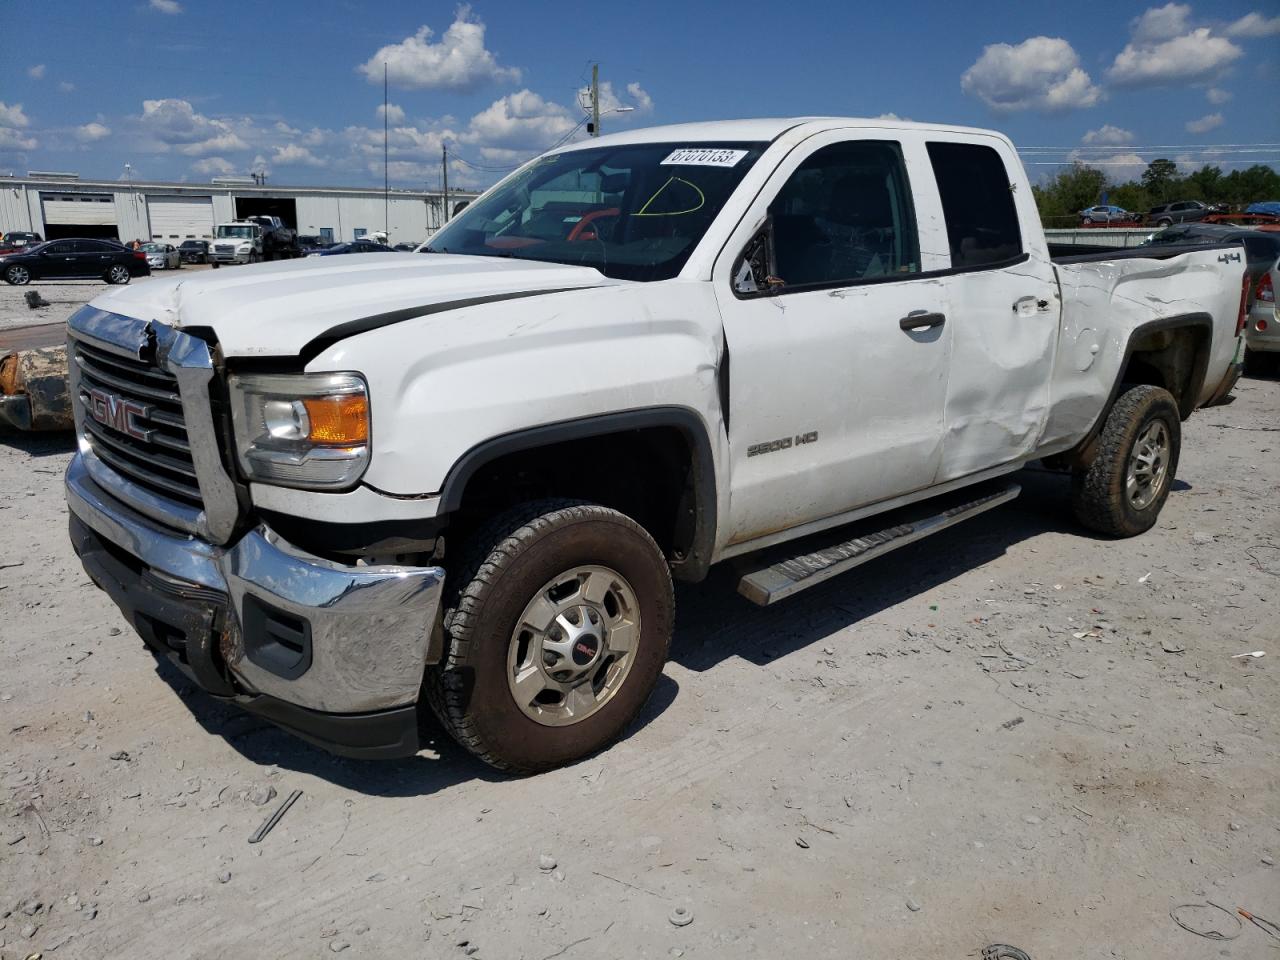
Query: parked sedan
[1180, 212]
[1105, 213]
[74, 259]
[17, 239]
[194, 251]
[162, 256]
[355, 246]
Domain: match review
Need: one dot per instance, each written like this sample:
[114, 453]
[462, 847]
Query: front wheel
[117, 273]
[558, 620]
[17, 275]
[1125, 487]
[1166, 222]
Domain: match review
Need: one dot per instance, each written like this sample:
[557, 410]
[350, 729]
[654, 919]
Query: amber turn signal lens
[341, 421]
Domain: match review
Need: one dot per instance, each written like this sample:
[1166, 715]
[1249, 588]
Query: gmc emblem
[117, 413]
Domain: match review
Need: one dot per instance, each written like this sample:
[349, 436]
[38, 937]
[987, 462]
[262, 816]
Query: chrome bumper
[370, 628]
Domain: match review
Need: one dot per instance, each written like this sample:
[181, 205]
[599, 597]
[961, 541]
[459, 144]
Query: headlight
[302, 430]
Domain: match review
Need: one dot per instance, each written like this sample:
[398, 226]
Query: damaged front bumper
[331, 652]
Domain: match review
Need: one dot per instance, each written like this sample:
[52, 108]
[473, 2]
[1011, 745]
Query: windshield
[634, 212]
[153, 248]
[244, 233]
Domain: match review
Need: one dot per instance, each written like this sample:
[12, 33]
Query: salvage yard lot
[1012, 732]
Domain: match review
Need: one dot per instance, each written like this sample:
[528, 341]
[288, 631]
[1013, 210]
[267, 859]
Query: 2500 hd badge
[786, 443]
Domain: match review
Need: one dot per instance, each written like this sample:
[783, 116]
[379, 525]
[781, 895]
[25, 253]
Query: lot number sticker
[703, 157]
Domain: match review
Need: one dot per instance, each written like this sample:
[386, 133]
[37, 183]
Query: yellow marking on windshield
[702, 200]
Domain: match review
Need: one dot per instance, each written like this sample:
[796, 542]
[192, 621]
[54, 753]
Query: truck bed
[1090, 253]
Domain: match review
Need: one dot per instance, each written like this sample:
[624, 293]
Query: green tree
[1160, 178]
[1205, 184]
[1068, 192]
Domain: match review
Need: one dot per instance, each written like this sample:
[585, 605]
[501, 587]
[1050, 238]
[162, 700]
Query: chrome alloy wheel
[119, 274]
[18, 275]
[1148, 464]
[574, 645]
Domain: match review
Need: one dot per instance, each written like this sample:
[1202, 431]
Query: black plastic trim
[695, 565]
[380, 735]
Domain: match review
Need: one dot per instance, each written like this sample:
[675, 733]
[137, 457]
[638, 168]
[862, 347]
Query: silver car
[1262, 330]
[162, 256]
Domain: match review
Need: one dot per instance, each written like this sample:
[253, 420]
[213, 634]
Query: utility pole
[444, 168]
[595, 100]
[386, 166]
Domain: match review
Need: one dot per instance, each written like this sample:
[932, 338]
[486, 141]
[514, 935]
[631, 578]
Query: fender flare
[693, 565]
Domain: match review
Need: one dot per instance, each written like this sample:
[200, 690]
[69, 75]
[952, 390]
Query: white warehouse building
[57, 205]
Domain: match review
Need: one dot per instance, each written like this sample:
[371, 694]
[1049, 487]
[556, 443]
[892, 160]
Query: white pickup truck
[335, 491]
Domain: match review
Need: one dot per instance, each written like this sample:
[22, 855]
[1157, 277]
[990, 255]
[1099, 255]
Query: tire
[116, 274]
[253, 256]
[1165, 222]
[534, 551]
[1260, 363]
[16, 275]
[1142, 436]
[216, 265]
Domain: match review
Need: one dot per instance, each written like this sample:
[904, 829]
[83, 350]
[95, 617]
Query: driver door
[838, 348]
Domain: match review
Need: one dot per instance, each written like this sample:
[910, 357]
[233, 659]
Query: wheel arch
[1169, 352]
[693, 527]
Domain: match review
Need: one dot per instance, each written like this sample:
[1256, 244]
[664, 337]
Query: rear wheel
[117, 273]
[17, 275]
[558, 622]
[1125, 487]
[1164, 222]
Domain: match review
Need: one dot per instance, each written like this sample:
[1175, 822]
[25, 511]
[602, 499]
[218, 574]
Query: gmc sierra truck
[337, 491]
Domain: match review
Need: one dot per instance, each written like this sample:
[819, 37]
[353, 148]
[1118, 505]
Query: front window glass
[238, 233]
[845, 216]
[634, 212]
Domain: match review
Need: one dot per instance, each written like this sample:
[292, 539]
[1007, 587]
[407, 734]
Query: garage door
[174, 219]
[94, 209]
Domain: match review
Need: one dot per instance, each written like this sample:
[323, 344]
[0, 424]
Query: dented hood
[275, 309]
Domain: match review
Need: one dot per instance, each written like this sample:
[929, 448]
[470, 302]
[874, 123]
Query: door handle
[918, 320]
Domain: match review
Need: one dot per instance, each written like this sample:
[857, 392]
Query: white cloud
[1161, 23]
[1254, 25]
[643, 102]
[36, 72]
[1042, 73]
[1118, 167]
[214, 166]
[1191, 57]
[176, 124]
[292, 153]
[1107, 135]
[66, 86]
[91, 132]
[460, 61]
[1210, 121]
[1216, 95]
[11, 139]
[12, 116]
[393, 113]
[166, 6]
[520, 120]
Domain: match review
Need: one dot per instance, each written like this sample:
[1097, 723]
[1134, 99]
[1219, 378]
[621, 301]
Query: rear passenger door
[837, 342]
[91, 258]
[1002, 306]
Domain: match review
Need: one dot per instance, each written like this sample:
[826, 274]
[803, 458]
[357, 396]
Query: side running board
[774, 577]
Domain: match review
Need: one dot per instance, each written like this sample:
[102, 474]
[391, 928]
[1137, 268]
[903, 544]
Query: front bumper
[217, 257]
[333, 653]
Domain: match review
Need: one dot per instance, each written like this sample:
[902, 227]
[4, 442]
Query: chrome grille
[156, 453]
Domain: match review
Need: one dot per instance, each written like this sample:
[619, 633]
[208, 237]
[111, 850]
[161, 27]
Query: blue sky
[186, 89]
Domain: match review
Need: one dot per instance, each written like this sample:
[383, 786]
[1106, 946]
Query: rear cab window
[977, 205]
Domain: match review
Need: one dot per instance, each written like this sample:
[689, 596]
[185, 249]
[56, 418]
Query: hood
[275, 309]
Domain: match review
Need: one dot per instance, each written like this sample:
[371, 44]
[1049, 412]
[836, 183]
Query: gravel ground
[1012, 732]
[64, 296]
